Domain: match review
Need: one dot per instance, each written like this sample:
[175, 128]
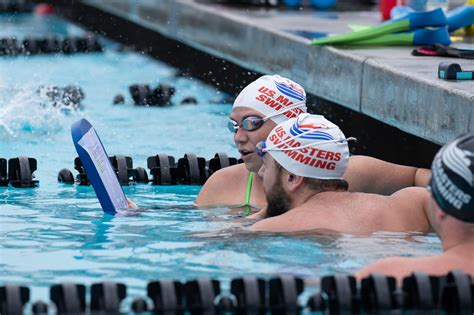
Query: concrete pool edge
[446, 113]
[372, 134]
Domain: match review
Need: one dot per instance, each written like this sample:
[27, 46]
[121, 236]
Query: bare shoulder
[274, 224]
[417, 197]
[412, 208]
[221, 185]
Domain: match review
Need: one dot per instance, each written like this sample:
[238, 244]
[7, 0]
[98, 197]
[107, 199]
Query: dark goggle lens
[249, 124]
[252, 123]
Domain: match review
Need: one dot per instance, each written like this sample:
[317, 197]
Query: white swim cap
[309, 146]
[275, 97]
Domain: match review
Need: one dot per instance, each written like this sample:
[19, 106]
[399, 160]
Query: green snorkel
[412, 21]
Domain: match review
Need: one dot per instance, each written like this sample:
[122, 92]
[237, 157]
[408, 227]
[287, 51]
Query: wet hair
[326, 184]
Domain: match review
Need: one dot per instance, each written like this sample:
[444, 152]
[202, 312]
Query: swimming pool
[56, 233]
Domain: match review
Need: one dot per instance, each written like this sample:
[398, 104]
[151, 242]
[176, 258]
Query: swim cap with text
[271, 95]
[452, 179]
[309, 146]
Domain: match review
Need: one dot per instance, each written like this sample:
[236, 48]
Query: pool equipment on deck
[317, 4]
[412, 22]
[453, 71]
[438, 50]
[460, 17]
[338, 294]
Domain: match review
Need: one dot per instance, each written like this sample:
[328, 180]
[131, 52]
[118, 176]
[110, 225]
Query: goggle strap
[275, 147]
[298, 136]
[284, 110]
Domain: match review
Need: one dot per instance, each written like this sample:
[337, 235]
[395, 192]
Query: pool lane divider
[98, 167]
[417, 293]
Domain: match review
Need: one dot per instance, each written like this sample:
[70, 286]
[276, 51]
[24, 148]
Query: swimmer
[304, 161]
[451, 212]
[260, 106]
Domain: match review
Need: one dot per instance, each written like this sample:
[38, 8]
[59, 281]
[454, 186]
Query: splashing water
[25, 111]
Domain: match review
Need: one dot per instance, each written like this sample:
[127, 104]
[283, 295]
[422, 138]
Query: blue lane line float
[98, 167]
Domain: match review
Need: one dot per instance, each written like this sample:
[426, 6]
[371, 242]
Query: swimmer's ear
[293, 181]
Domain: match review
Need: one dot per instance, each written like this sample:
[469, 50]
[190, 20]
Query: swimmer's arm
[281, 223]
[422, 177]
[261, 214]
[371, 175]
[213, 187]
[411, 209]
[398, 267]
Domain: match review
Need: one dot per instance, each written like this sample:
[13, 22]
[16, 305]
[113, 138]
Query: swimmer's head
[308, 146]
[269, 100]
[275, 97]
[452, 181]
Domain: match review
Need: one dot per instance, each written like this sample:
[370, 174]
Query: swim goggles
[251, 123]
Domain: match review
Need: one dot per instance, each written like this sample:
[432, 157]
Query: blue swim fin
[460, 17]
[412, 21]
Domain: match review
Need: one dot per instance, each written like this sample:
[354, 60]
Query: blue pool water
[57, 233]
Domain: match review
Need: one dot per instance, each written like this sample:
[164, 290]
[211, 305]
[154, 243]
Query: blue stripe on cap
[289, 91]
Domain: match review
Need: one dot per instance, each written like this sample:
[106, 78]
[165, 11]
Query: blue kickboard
[98, 168]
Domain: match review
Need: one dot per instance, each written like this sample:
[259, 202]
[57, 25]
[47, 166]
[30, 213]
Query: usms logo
[290, 90]
[297, 130]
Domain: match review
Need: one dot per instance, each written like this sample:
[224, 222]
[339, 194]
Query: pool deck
[385, 83]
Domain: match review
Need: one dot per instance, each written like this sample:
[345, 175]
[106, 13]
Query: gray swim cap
[453, 180]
